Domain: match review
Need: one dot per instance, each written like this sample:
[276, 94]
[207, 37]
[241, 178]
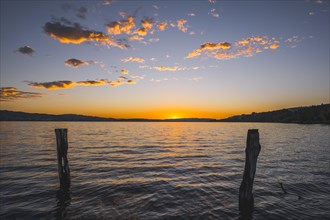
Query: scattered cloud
[75, 34]
[214, 13]
[151, 40]
[135, 37]
[155, 7]
[92, 82]
[142, 31]
[121, 27]
[246, 47]
[162, 26]
[52, 85]
[161, 68]
[191, 14]
[147, 23]
[133, 59]
[123, 71]
[209, 46]
[26, 50]
[122, 14]
[196, 79]
[75, 62]
[213, 1]
[181, 25]
[107, 2]
[11, 94]
[130, 81]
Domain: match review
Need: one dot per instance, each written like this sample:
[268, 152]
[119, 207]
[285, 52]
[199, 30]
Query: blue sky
[163, 59]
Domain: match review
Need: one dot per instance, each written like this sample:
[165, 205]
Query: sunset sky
[163, 59]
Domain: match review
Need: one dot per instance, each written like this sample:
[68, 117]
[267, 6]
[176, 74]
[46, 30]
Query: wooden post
[246, 201]
[62, 160]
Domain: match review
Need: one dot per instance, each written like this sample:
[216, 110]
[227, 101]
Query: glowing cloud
[120, 27]
[147, 23]
[26, 50]
[76, 35]
[246, 47]
[180, 25]
[162, 26]
[92, 82]
[75, 62]
[53, 85]
[11, 94]
[135, 37]
[142, 31]
[133, 59]
[123, 71]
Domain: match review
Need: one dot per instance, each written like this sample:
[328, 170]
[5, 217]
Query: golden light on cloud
[120, 27]
[53, 85]
[133, 59]
[13, 94]
[246, 47]
[162, 26]
[92, 82]
[123, 71]
[181, 25]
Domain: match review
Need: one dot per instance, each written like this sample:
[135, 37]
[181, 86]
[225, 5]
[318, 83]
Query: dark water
[163, 171]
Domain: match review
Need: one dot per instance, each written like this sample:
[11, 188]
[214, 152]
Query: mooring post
[246, 201]
[62, 159]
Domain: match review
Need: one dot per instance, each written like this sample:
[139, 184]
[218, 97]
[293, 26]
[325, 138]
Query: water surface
[124, 170]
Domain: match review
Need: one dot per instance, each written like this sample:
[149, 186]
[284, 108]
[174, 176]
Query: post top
[253, 130]
[56, 129]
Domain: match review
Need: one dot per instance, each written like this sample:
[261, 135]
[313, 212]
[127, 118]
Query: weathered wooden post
[62, 160]
[246, 201]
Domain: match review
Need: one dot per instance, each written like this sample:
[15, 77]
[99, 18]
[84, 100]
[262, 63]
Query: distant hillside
[22, 116]
[319, 114]
[306, 115]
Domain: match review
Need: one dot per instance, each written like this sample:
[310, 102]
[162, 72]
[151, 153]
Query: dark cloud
[80, 11]
[53, 85]
[75, 62]
[26, 50]
[12, 94]
[93, 82]
[75, 34]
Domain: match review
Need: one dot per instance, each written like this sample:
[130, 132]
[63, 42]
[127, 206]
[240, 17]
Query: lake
[149, 170]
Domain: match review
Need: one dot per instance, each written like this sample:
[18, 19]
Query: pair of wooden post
[246, 201]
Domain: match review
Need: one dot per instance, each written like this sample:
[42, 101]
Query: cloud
[130, 81]
[147, 23]
[214, 13]
[142, 31]
[162, 68]
[92, 82]
[192, 14]
[53, 85]
[11, 94]
[135, 37]
[133, 59]
[209, 46]
[76, 35]
[123, 71]
[121, 27]
[245, 47]
[196, 79]
[180, 25]
[26, 50]
[162, 26]
[107, 2]
[81, 12]
[75, 62]
[213, 1]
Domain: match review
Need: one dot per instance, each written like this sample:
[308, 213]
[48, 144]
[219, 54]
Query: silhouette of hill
[318, 114]
[315, 114]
